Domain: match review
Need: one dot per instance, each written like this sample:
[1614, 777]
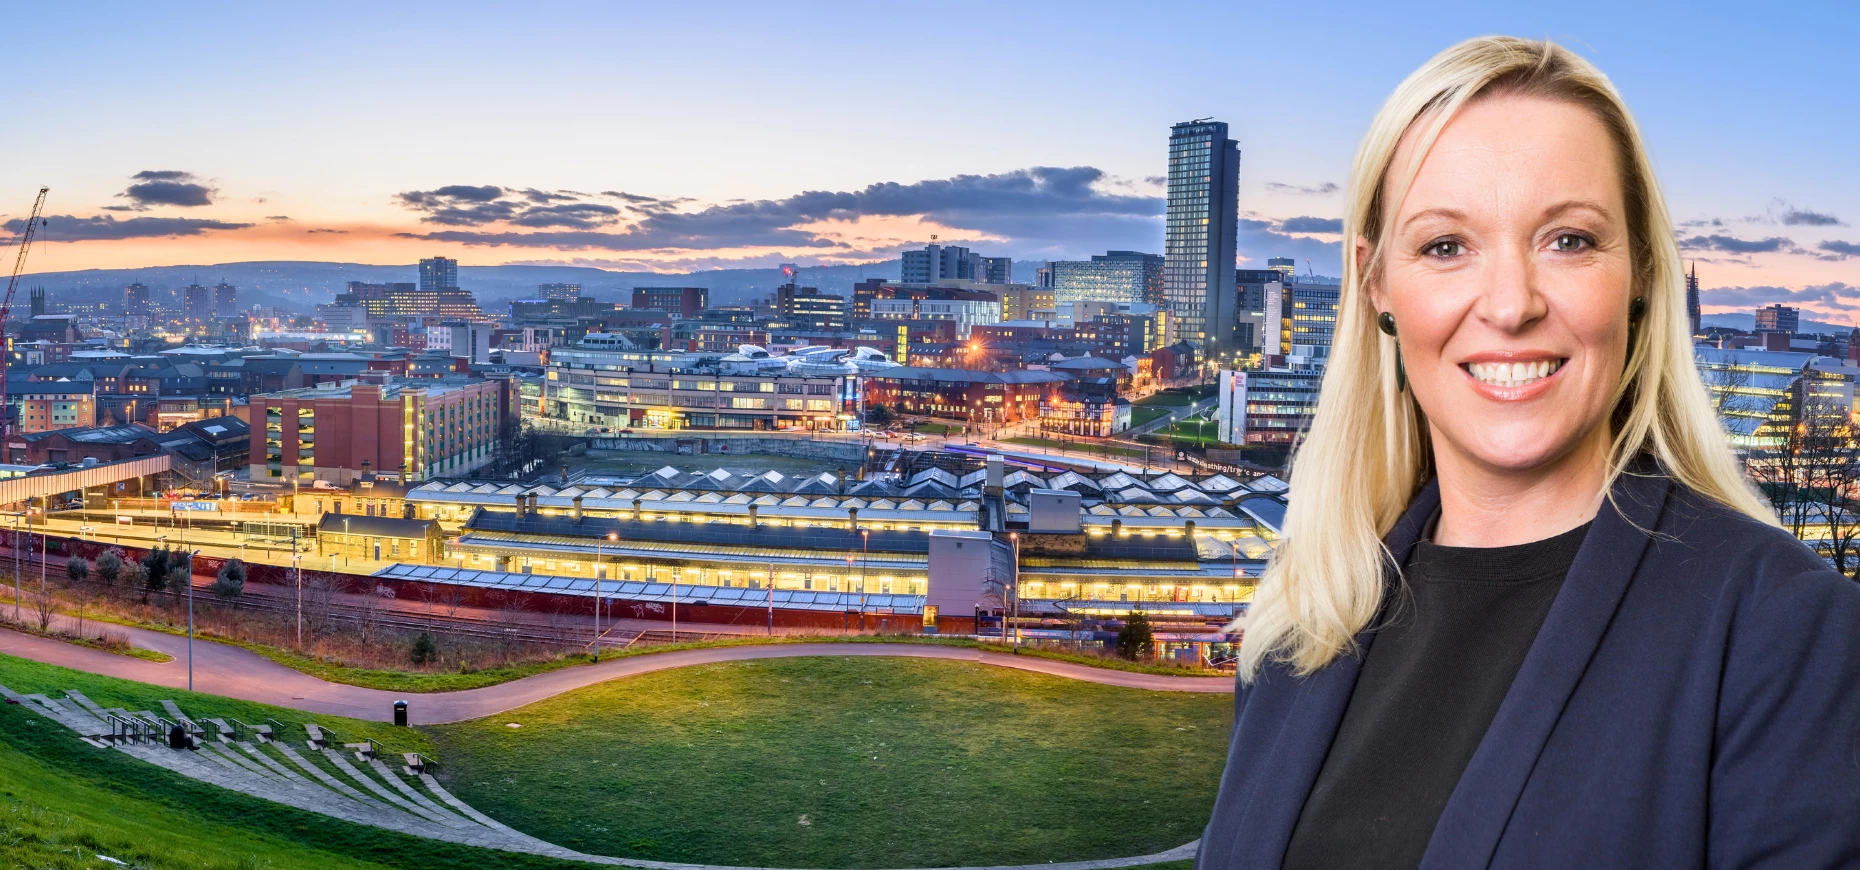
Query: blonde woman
[1528, 612]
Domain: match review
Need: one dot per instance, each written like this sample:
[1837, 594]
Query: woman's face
[1509, 277]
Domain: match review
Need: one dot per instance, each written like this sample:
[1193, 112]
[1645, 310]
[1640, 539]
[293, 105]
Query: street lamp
[611, 536]
[190, 618]
[865, 561]
[1015, 538]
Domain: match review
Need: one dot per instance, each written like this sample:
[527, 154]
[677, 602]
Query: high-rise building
[197, 302]
[810, 308]
[681, 301]
[1251, 288]
[1199, 237]
[1692, 298]
[1779, 318]
[439, 273]
[1043, 276]
[1300, 319]
[1115, 276]
[136, 298]
[1286, 265]
[941, 263]
[560, 292]
[996, 270]
[225, 300]
[404, 299]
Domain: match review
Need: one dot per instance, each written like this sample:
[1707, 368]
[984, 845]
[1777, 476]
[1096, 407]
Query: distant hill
[1748, 322]
[303, 285]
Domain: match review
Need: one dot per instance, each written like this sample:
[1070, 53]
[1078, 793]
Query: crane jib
[33, 221]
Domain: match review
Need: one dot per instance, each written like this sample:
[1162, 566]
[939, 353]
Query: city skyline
[562, 149]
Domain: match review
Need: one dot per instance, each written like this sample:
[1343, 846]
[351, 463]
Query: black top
[1433, 679]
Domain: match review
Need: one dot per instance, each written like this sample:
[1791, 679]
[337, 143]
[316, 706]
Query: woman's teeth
[1513, 374]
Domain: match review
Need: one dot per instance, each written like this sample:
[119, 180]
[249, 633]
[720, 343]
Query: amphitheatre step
[380, 790]
[424, 802]
[324, 777]
[88, 705]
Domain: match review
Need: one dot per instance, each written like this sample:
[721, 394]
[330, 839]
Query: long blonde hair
[1326, 579]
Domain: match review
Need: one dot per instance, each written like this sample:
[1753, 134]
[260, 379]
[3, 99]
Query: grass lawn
[848, 762]
[1078, 447]
[1140, 416]
[935, 429]
[1164, 399]
[63, 802]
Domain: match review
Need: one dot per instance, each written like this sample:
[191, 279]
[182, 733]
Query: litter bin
[177, 737]
[400, 713]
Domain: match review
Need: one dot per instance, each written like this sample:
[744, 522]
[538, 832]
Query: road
[235, 672]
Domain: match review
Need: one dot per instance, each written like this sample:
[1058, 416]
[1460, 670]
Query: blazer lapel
[1289, 765]
[1475, 816]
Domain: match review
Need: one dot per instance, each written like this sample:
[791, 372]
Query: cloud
[1311, 225]
[1795, 217]
[69, 228]
[1837, 295]
[324, 230]
[1841, 250]
[1734, 245]
[1325, 189]
[466, 205]
[1042, 209]
[155, 187]
[277, 217]
[1701, 222]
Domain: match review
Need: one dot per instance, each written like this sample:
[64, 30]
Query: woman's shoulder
[1709, 540]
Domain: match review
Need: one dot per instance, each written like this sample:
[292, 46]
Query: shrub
[230, 583]
[425, 650]
[77, 569]
[155, 569]
[109, 567]
[1136, 639]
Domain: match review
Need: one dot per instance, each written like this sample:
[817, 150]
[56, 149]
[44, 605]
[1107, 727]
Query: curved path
[235, 672]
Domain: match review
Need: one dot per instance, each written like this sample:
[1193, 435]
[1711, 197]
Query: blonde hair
[1327, 576]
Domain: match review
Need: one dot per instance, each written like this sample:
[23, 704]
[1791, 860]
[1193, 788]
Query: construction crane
[6, 305]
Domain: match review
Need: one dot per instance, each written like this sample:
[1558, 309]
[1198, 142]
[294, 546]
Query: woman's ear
[1370, 286]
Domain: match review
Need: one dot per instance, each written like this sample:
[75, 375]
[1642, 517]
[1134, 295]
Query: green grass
[1140, 416]
[848, 762]
[935, 429]
[1079, 447]
[62, 802]
[1164, 399]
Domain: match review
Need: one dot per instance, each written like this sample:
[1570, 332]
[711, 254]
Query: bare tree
[319, 597]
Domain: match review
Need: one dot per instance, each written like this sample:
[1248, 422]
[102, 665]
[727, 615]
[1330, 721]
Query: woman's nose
[1509, 300]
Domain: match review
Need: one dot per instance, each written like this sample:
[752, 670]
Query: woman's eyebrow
[1440, 212]
[1570, 205]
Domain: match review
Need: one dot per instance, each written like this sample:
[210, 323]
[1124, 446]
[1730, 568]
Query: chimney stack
[576, 513]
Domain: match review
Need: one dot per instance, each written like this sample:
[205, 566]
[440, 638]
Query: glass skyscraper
[1199, 238]
[1116, 276]
[439, 273]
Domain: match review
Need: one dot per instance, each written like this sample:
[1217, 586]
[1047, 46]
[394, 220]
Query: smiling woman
[1541, 620]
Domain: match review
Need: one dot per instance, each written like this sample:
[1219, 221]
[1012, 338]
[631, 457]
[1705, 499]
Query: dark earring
[1637, 308]
[1386, 322]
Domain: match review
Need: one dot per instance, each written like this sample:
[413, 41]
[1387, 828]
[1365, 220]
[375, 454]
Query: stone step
[270, 763]
[379, 790]
[88, 705]
[400, 784]
[324, 777]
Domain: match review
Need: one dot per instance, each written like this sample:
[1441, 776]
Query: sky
[683, 136]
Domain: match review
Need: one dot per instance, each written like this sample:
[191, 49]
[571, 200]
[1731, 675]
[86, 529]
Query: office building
[600, 381]
[439, 273]
[560, 292]
[996, 270]
[1285, 265]
[1299, 321]
[1199, 236]
[1692, 299]
[1116, 276]
[225, 300]
[336, 432]
[1779, 318]
[808, 307]
[1023, 302]
[1043, 276]
[941, 262]
[1251, 287]
[975, 396]
[678, 301]
[966, 308]
[42, 406]
[403, 299]
[1272, 406]
[197, 303]
[136, 298]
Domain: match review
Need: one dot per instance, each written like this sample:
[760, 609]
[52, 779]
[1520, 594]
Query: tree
[425, 649]
[155, 568]
[1136, 639]
[109, 568]
[230, 583]
[77, 570]
[879, 414]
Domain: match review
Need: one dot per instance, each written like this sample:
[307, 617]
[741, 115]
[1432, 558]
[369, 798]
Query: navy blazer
[1692, 700]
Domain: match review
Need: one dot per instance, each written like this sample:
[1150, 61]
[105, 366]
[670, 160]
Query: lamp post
[190, 618]
[611, 536]
[771, 585]
[1015, 538]
[675, 573]
[16, 536]
[865, 563]
[297, 569]
[44, 517]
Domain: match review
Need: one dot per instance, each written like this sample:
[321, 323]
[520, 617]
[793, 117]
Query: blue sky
[371, 132]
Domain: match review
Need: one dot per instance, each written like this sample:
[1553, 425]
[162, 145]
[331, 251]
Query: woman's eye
[1570, 242]
[1443, 248]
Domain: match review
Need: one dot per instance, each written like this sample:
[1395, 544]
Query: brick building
[991, 397]
[335, 432]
